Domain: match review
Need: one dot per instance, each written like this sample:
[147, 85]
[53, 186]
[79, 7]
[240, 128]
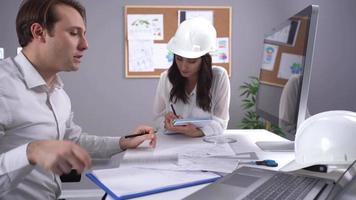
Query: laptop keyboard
[283, 186]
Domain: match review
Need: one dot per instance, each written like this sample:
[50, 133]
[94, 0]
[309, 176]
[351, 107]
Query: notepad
[196, 122]
[128, 183]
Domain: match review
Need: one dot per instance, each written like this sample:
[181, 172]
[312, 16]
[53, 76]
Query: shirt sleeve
[221, 103]
[159, 105]
[287, 106]
[14, 164]
[97, 146]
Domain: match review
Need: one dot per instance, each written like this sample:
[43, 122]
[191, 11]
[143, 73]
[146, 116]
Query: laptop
[256, 183]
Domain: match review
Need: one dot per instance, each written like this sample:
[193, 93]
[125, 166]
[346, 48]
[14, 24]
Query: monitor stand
[285, 146]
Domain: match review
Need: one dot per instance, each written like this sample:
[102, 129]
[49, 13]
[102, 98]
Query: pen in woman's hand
[174, 111]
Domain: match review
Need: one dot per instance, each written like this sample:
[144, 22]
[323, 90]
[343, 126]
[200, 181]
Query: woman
[193, 87]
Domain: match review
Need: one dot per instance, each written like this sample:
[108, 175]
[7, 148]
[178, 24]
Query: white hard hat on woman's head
[326, 138]
[193, 38]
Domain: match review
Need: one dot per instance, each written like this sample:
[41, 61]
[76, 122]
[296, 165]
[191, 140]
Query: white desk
[245, 143]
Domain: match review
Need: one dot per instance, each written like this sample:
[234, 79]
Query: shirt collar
[31, 76]
[194, 91]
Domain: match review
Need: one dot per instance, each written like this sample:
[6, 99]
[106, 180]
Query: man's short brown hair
[42, 12]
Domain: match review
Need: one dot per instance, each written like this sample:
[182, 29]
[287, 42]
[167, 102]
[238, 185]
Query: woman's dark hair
[204, 83]
[42, 12]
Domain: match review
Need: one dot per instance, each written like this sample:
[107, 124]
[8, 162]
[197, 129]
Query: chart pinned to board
[149, 28]
[283, 52]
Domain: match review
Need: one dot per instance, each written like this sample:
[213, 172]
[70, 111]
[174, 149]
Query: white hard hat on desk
[194, 38]
[327, 138]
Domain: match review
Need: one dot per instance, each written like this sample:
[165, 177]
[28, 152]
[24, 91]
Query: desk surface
[245, 143]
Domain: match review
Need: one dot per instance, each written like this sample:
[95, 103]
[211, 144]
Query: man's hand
[131, 143]
[58, 156]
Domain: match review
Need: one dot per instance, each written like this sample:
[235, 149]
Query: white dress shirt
[288, 106]
[29, 110]
[220, 102]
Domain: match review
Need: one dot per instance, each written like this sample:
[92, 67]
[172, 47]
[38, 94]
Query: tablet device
[196, 122]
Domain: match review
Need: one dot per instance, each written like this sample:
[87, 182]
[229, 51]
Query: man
[38, 139]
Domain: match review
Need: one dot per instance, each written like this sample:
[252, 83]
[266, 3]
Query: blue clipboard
[93, 178]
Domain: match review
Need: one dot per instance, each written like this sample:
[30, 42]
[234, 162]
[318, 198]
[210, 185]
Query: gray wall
[106, 103]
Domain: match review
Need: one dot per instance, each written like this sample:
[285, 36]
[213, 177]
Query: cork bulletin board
[270, 77]
[221, 20]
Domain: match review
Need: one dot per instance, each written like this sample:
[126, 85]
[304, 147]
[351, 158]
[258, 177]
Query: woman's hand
[188, 130]
[169, 118]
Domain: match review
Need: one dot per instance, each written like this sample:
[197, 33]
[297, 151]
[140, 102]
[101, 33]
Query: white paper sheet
[209, 157]
[145, 27]
[123, 181]
[221, 54]
[290, 64]
[146, 157]
[162, 57]
[269, 56]
[140, 55]
[214, 164]
[282, 34]
[208, 150]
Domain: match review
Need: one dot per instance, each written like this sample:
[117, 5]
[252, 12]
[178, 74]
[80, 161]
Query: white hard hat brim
[189, 54]
[184, 53]
[293, 166]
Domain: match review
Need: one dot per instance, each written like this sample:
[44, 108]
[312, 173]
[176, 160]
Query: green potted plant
[251, 119]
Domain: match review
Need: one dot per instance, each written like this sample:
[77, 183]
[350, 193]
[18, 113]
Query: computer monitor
[285, 76]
